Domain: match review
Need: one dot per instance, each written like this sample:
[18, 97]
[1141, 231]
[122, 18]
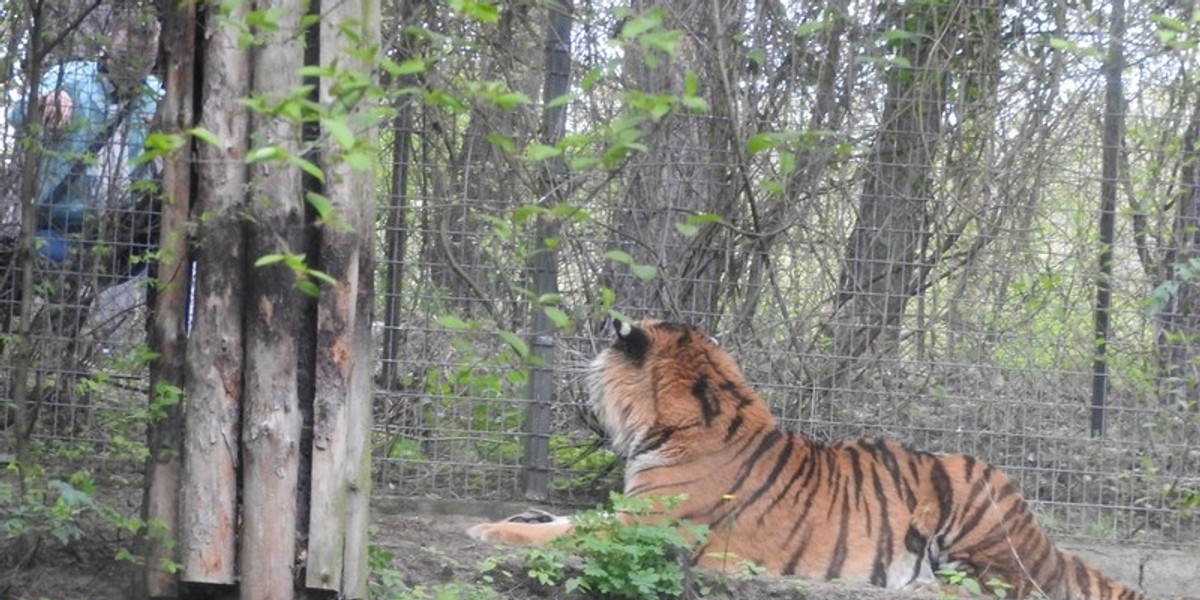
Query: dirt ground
[434, 549]
[429, 551]
[431, 554]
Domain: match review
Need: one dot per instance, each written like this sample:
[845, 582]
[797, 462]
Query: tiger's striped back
[678, 409]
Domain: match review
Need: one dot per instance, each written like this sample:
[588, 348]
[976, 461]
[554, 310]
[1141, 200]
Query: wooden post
[168, 325]
[337, 557]
[208, 520]
[271, 418]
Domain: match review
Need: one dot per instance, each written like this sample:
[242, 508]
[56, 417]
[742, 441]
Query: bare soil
[429, 551]
[432, 550]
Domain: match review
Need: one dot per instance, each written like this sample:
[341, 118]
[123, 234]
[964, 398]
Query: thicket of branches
[892, 213]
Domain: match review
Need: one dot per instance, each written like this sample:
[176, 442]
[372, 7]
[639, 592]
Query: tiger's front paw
[534, 515]
[530, 527]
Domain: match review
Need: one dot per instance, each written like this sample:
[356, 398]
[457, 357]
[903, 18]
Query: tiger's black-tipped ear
[632, 340]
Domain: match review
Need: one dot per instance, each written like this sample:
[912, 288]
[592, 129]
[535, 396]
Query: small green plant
[965, 580]
[643, 557]
[387, 583]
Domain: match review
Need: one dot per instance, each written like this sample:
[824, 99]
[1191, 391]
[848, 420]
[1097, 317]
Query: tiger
[679, 412]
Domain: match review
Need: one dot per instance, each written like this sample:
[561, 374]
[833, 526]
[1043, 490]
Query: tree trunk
[1179, 317]
[681, 173]
[883, 253]
[544, 262]
[1114, 126]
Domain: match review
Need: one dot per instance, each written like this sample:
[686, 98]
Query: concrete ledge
[1162, 573]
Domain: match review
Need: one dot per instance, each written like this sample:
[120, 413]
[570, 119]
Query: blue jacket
[104, 182]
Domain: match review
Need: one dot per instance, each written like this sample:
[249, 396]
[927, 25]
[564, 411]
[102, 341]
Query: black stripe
[839, 549]
[975, 502]
[917, 545]
[1081, 576]
[732, 387]
[856, 470]
[790, 567]
[734, 425]
[748, 464]
[654, 440]
[813, 489]
[883, 553]
[780, 462]
[766, 444]
[708, 408]
[801, 471]
[941, 487]
[888, 458]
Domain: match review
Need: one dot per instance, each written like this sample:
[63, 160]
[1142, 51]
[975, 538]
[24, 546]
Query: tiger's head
[663, 390]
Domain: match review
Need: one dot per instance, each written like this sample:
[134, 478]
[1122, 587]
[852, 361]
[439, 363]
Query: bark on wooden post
[342, 405]
[208, 519]
[167, 332]
[271, 419]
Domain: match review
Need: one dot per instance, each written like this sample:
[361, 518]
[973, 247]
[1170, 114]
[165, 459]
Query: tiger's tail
[1076, 579]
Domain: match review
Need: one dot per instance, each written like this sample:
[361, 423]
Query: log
[208, 536]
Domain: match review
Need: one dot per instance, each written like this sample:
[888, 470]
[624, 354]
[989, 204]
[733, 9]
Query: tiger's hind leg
[530, 527]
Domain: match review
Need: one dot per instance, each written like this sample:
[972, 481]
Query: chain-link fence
[904, 236]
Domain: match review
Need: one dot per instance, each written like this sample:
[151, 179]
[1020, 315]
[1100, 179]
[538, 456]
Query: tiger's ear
[632, 341]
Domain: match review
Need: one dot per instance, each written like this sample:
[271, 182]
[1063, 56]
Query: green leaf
[1061, 44]
[772, 186]
[644, 272]
[557, 315]
[264, 153]
[359, 161]
[1169, 22]
[322, 276]
[453, 322]
[641, 24]
[340, 132]
[760, 141]
[560, 100]
[269, 259]
[695, 104]
[537, 152]
[972, 586]
[204, 135]
[484, 12]
[308, 287]
[308, 167]
[320, 203]
[410, 67]
[787, 162]
[503, 142]
[687, 229]
[619, 256]
[515, 342]
[691, 83]
[892, 36]
[583, 163]
[809, 27]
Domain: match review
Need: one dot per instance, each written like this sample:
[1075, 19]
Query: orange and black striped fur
[680, 413]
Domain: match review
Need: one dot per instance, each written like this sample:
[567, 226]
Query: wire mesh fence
[895, 230]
